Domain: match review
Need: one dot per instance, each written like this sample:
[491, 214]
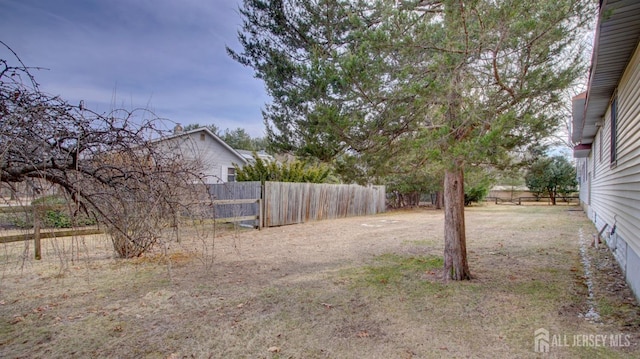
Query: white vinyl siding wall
[213, 156]
[615, 188]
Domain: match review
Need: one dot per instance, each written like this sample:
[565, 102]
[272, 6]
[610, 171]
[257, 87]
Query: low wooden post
[260, 214]
[263, 204]
[36, 233]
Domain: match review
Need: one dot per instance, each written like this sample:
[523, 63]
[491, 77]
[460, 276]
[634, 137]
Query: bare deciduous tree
[107, 163]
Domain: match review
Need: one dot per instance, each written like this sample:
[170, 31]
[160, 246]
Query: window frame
[614, 131]
[600, 145]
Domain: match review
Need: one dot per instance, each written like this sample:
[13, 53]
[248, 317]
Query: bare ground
[350, 288]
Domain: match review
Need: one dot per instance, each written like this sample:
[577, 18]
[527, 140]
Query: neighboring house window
[202, 136]
[614, 131]
[231, 174]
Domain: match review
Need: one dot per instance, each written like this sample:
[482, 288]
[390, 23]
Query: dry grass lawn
[366, 287]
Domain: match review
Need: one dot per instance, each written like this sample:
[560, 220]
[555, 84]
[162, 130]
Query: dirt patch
[356, 287]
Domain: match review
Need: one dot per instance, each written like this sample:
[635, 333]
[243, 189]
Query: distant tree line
[238, 139]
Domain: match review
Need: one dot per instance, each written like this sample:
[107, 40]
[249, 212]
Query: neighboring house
[214, 155]
[248, 155]
[606, 129]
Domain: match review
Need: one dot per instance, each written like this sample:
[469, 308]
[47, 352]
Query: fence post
[260, 212]
[263, 204]
[36, 233]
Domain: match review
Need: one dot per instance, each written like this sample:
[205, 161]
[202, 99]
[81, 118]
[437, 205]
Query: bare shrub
[110, 165]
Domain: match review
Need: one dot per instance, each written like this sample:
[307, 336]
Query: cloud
[169, 55]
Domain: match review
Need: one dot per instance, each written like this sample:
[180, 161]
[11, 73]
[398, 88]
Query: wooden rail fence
[237, 202]
[37, 235]
[277, 204]
[533, 199]
[49, 234]
[239, 218]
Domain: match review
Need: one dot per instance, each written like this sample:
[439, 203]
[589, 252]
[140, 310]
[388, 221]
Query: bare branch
[104, 162]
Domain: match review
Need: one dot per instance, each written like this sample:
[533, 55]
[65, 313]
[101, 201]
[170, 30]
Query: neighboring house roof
[616, 38]
[179, 133]
[248, 155]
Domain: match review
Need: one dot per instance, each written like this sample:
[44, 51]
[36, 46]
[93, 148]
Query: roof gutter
[615, 41]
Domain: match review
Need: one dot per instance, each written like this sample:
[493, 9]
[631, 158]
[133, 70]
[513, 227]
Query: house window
[594, 161]
[231, 174]
[600, 147]
[614, 131]
[202, 136]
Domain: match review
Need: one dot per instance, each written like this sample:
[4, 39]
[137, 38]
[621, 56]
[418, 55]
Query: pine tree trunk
[439, 200]
[455, 247]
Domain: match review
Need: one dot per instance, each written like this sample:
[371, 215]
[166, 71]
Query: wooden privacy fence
[275, 204]
[290, 203]
[282, 203]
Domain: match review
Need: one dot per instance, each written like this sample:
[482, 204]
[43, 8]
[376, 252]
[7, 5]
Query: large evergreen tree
[467, 81]
[551, 176]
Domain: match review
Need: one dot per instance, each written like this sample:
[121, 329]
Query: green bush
[20, 220]
[296, 171]
[60, 216]
[56, 219]
[475, 193]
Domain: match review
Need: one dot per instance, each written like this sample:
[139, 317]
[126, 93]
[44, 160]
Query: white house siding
[214, 156]
[614, 197]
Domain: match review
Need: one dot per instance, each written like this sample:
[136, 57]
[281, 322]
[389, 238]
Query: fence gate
[225, 194]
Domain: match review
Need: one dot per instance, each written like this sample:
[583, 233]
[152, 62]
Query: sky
[164, 55]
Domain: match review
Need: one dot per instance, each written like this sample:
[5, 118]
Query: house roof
[616, 38]
[248, 155]
[179, 133]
